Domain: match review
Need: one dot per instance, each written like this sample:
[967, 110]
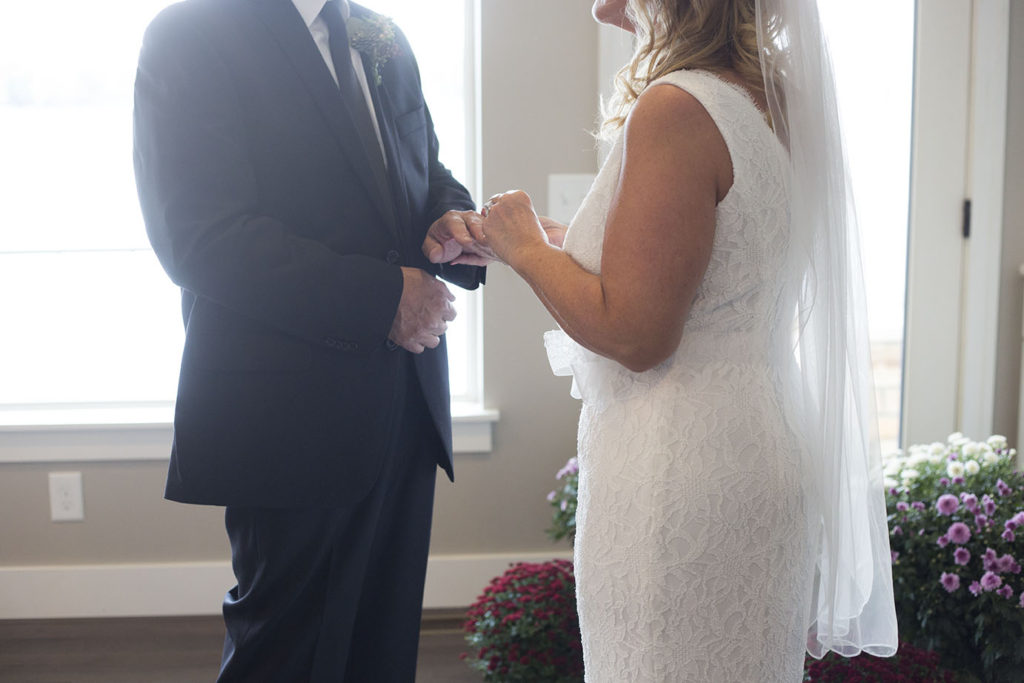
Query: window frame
[63, 432]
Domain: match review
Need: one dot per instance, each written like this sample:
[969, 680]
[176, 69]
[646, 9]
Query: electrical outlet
[66, 497]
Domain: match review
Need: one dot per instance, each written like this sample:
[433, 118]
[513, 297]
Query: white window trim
[143, 433]
[959, 134]
[985, 188]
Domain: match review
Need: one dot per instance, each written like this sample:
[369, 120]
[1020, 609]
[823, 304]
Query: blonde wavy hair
[716, 35]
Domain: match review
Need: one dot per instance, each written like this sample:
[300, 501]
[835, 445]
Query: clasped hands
[506, 227]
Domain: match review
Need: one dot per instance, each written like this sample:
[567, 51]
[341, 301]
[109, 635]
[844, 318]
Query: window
[875, 89]
[448, 71]
[89, 317]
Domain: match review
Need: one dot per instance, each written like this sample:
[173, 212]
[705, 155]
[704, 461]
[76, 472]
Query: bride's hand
[510, 226]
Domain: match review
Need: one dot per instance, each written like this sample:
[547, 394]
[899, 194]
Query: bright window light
[89, 317]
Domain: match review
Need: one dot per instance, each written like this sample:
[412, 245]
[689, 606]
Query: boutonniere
[374, 38]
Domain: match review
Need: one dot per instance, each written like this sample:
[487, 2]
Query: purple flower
[958, 480]
[1006, 564]
[980, 522]
[959, 533]
[917, 505]
[894, 491]
[947, 504]
[944, 482]
[943, 541]
[1011, 524]
[949, 581]
[962, 556]
[571, 467]
[1022, 599]
[1018, 519]
[988, 560]
[902, 507]
[1003, 488]
[975, 588]
[897, 530]
[988, 504]
[990, 581]
[970, 501]
[563, 505]
[1009, 536]
[920, 532]
[1006, 592]
[895, 556]
[551, 496]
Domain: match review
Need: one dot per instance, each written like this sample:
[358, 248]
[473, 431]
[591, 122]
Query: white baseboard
[190, 588]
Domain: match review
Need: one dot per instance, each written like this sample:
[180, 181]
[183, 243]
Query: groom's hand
[423, 311]
[450, 240]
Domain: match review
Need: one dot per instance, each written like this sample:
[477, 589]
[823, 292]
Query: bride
[731, 513]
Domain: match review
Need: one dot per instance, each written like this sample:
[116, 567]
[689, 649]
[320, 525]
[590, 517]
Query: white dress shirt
[310, 12]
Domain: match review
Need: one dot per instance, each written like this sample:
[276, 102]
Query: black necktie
[352, 92]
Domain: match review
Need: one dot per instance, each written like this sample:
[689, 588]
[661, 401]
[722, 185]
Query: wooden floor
[172, 650]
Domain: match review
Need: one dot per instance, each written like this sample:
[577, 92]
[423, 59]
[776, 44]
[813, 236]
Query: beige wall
[1011, 283]
[539, 99]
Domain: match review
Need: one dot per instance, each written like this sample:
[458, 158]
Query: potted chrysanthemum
[524, 628]
[563, 500]
[956, 523]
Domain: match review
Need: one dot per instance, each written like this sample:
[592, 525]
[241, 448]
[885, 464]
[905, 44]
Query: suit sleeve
[445, 194]
[444, 198]
[200, 202]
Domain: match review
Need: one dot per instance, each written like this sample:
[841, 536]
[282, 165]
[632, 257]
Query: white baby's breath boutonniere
[375, 40]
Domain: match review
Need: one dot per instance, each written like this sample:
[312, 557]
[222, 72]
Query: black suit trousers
[335, 594]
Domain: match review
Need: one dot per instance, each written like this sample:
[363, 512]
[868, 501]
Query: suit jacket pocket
[411, 121]
[217, 339]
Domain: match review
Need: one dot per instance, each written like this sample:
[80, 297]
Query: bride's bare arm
[660, 227]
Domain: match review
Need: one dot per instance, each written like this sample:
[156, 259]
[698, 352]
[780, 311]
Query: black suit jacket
[260, 204]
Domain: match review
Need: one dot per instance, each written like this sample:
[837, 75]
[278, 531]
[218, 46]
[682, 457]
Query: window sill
[143, 432]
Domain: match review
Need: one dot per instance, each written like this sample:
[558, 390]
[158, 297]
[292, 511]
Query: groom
[287, 182]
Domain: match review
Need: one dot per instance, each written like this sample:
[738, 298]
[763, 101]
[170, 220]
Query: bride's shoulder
[663, 105]
[673, 120]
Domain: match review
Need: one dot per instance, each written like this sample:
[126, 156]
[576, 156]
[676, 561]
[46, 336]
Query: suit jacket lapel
[286, 25]
[385, 115]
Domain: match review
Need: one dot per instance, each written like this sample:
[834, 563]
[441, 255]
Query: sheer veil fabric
[825, 332]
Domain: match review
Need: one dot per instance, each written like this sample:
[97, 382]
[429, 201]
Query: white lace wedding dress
[691, 547]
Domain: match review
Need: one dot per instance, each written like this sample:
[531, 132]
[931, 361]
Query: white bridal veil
[851, 607]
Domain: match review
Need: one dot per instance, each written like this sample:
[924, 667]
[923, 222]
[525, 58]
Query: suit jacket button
[393, 257]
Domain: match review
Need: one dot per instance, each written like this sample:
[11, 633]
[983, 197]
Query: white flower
[989, 458]
[937, 448]
[892, 467]
[955, 469]
[909, 473]
[954, 437]
[890, 483]
[919, 459]
[972, 467]
[936, 459]
[972, 449]
[997, 442]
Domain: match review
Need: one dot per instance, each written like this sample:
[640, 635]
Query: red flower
[525, 627]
